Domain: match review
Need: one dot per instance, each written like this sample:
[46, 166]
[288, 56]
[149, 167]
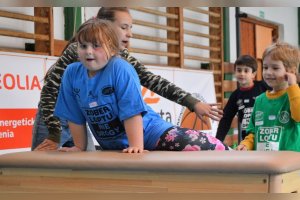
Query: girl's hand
[134, 150]
[70, 149]
[241, 147]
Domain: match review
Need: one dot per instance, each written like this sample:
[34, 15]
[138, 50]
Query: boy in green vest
[275, 120]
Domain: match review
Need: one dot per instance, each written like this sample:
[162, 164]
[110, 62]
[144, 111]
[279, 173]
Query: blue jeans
[40, 133]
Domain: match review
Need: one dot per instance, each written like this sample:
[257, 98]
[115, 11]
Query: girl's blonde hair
[100, 32]
[286, 53]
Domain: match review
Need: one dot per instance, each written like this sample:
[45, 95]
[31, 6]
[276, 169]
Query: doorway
[256, 35]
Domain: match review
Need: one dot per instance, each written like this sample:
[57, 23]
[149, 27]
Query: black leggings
[184, 139]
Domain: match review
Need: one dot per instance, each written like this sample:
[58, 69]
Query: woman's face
[123, 25]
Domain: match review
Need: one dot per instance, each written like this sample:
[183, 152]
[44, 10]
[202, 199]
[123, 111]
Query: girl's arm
[134, 130]
[79, 137]
[50, 90]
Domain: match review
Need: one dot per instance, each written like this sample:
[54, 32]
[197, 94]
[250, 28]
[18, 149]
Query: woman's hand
[210, 110]
[134, 150]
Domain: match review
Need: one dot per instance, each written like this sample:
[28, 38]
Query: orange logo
[149, 100]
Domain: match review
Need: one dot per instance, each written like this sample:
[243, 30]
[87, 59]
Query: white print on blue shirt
[105, 124]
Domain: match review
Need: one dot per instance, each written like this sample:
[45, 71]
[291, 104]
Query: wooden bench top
[205, 161]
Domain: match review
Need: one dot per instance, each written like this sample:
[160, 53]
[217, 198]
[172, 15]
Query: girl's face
[123, 25]
[274, 73]
[93, 56]
[244, 75]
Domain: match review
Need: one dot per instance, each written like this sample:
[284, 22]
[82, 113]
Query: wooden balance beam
[153, 172]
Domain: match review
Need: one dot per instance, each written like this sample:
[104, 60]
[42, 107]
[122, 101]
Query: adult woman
[49, 138]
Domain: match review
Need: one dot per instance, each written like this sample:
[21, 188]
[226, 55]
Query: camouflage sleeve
[160, 85]
[50, 90]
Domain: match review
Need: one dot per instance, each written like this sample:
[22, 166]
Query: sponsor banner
[16, 128]
[49, 62]
[21, 80]
[199, 83]
[162, 106]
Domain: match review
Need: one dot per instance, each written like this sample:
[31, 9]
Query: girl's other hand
[134, 150]
[70, 149]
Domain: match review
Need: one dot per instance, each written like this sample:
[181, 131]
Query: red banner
[16, 128]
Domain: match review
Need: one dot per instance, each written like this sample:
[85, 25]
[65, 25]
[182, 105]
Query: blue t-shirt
[105, 101]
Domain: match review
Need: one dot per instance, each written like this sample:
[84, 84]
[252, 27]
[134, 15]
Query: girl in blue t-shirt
[104, 91]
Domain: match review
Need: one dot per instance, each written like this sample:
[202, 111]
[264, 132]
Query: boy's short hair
[289, 55]
[246, 60]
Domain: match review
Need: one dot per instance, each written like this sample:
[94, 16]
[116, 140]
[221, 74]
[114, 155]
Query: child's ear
[294, 71]
[253, 75]
[291, 70]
